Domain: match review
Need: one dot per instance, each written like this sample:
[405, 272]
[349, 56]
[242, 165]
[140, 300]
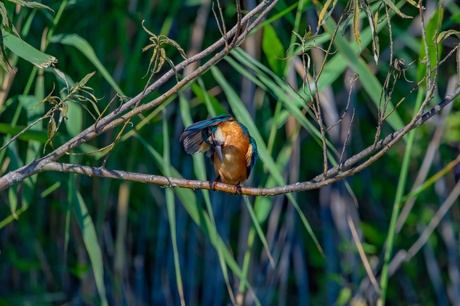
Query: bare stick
[334, 174]
[119, 116]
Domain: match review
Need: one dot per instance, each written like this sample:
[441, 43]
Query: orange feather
[234, 167]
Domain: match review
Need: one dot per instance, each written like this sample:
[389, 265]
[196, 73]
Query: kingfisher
[227, 142]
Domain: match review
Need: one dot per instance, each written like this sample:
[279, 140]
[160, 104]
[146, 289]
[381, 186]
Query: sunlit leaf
[356, 11]
[274, 50]
[393, 7]
[324, 13]
[27, 52]
[84, 47]
[31, 4]
[434, 49]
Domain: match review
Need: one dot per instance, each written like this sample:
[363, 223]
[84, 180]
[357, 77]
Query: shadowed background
[68, 239]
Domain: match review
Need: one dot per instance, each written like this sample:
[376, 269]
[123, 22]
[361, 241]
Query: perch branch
[119, 116]
[334, 174]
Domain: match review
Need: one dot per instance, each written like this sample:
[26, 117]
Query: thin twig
[119, 116]
[350, 91]
[342, 154]
[334, 174]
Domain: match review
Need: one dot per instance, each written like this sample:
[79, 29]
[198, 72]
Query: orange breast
[233, 169]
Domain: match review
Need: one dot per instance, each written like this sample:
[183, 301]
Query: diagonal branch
[334, 174]
[121, 115]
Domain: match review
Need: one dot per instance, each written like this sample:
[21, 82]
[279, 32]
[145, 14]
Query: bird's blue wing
[193, 142]
[200, 125]
[195, 136]
[252, 155]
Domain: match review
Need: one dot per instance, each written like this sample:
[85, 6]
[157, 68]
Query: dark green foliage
[78, 239]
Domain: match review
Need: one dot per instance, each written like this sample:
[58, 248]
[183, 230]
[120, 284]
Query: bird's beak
[219, 153]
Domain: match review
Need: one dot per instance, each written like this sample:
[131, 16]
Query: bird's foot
[238, 189]
[213, 184]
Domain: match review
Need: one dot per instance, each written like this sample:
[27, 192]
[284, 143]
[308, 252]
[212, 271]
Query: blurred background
[78, 240]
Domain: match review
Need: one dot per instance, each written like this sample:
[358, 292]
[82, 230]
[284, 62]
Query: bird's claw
[238, 189]
[214, 183]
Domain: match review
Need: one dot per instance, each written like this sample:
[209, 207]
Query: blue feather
[254, 155]
[196, 134]
[223, 135]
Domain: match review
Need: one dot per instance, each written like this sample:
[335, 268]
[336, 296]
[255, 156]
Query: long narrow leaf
[171, 209]
[243, 116]
[89, 238]
[188, 199]
[84, 47]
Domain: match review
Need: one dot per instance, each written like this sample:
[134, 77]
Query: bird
[227, 142]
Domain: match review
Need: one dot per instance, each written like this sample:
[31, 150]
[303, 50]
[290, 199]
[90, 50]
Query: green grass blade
[247, 259]
[200, 92]
[50, 189]
[284, 93]
[84, 47]
[274, 50]
[258, 229]
[432, 29]
[350, 52]
[396, 207]
[14, 216]
[171, 209]
[433, 179]
[88, 232]
[200, 172]
[198, 159]
[27, 52]
[39, 136]
[188, 200]
[243, 116]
